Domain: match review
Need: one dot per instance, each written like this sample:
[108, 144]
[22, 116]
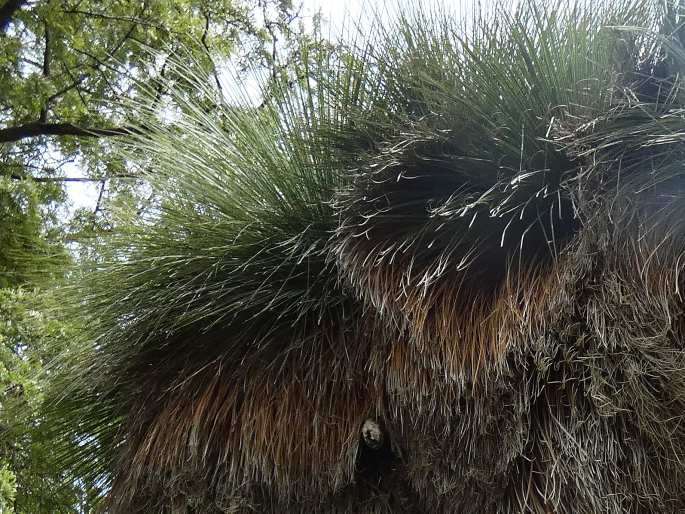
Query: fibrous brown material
[573, 404]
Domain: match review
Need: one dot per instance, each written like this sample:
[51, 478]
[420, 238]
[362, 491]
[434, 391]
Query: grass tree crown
[436, 270]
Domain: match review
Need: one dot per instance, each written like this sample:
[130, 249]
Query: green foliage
[73, 63]
[30, 480]
[29, 232]
[8, 488]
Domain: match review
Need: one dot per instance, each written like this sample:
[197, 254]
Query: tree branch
[35, 129]
[65, 179]
[7, 12]
[79, 91]
[274, 41]
[205, 32]
[77, 82]
[129, 19]
[46, 71]
[103, 184]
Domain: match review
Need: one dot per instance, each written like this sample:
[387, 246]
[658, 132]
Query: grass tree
[437, 270]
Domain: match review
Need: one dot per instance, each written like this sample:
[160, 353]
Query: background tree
[30, 477]
[66, 65]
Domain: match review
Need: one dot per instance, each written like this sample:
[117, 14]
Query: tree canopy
[66, 67]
